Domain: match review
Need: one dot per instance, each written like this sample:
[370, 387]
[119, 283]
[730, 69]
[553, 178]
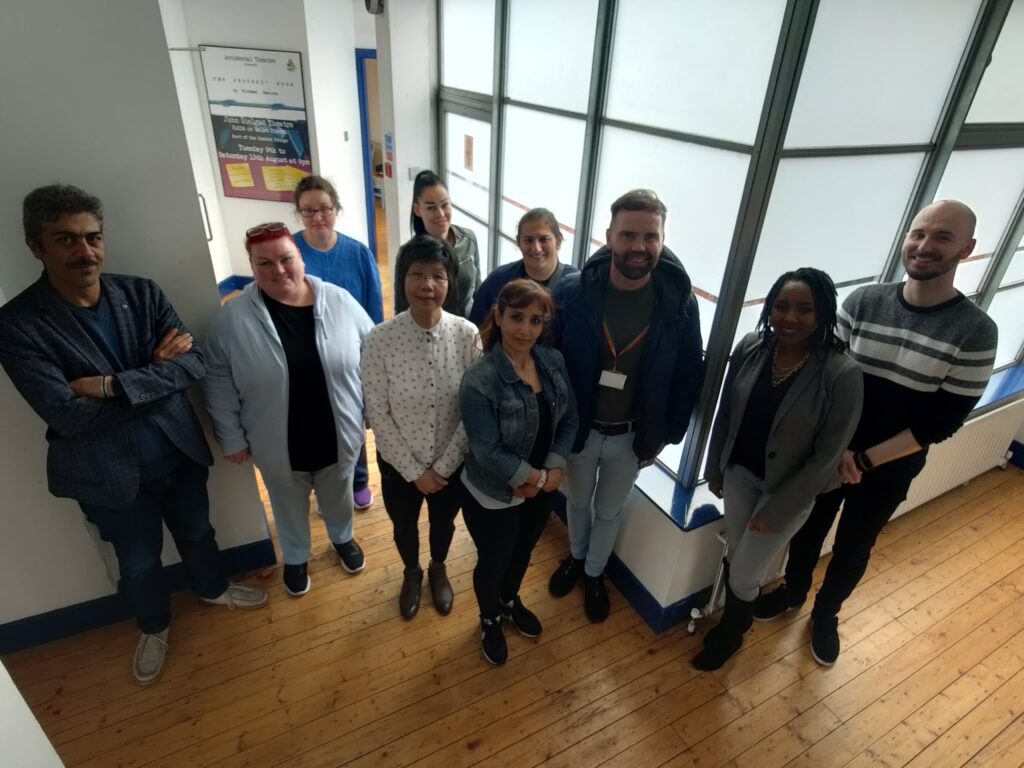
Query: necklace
[781, 373]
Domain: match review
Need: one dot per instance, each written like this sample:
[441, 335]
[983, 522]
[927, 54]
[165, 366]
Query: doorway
[373, 142]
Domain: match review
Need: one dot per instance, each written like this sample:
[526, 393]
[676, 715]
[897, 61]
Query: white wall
[364, 26]
[89, 99]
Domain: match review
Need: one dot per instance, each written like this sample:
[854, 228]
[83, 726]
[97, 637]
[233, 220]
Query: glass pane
[1015, 272]
[467, 45]
[550, 47]
[1005, 310]
[701, 187]
[482, 233]
[839, 214]
[988, 180]
[969, 273]
[1000, 97]
[508, 252]
[543, 158]
[717, 56]
[469, 163]
[877, 72]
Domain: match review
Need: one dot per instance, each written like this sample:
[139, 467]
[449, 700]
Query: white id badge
[612, 379]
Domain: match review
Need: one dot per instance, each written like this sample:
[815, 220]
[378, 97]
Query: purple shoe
[362, 499]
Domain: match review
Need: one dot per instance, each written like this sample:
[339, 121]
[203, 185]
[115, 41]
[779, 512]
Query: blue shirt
[349, 265]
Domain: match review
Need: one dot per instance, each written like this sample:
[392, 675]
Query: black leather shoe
[440, 588]
[595, 598]
[565, 577]
[409, 597]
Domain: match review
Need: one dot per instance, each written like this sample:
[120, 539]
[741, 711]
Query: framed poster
[258, 110]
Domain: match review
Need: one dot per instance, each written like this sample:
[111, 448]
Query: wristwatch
[543, 478]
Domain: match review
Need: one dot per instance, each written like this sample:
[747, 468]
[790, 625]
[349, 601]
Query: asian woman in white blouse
[411, 369]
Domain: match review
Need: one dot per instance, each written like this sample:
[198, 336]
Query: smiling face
[71, 249]
[635, 239]
[939, 238]
[793, 316]
[435, 209]
[317, 211]
[426, 286]
[520, 328]
[278, 268]
[539, 246]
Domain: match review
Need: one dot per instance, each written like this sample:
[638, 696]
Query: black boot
[723, 641]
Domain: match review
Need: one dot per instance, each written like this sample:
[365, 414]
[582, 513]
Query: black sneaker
[825, 639]
[769, 605]
[492, 640]
[296, 579]
[522, 618]
[595, 598]
[565, 577]
[351, 555]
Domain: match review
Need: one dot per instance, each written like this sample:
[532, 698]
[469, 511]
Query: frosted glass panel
[508, 252]
[482, 233]
[467, 45]
[969, 274]
[469, 163]
[1005, 310]
[716, 56]
[839, 214]
[1015, 272]
[877, 72]
[1000, 98]
[990, 182]
[543, 158]
[550, 49]
[701, 187]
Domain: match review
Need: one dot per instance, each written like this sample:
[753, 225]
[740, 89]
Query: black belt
[614, 428]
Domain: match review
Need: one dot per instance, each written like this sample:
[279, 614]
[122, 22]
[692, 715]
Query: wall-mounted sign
[258, 110]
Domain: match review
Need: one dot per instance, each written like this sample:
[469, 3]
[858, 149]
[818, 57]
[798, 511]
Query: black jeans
[136, 532]
[867, 507]
[403, 501]
[504, 540]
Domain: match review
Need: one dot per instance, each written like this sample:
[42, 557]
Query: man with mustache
[106, 363]
[629, 329]
[927, 352]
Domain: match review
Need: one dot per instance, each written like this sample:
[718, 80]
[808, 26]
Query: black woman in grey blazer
[789, 407]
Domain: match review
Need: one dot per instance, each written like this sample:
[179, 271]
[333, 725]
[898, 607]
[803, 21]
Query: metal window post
[501, 17]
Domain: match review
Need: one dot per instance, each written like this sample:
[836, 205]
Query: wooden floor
[931, 673]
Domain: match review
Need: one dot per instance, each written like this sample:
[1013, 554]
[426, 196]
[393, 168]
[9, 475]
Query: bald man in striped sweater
[927, 352]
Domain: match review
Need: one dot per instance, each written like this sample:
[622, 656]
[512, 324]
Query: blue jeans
[136, 533]
[599, 479]
[289, 501]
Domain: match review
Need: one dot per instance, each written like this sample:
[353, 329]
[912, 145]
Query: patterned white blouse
[411, 381]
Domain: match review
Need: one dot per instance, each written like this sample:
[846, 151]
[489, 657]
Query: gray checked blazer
[812, 427]
[92, 454]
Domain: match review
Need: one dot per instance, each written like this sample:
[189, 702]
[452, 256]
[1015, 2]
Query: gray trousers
[752, 552]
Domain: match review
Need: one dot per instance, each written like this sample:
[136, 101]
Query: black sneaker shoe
[522, 618]
[769, 605]
[492, 640]
[296, 579]
[565, 577]
[351, 555]
[595, 598]
[825, 639]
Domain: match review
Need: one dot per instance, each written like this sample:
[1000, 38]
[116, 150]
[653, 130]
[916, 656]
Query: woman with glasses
[344, 261]
[520, 418]
[539, 240]
[412, 366]
[432, 215]
[283, 389]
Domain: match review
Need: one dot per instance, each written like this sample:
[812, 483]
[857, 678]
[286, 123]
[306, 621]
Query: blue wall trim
[233, 283]
[72, 619]
[1017, 453]
[362, 54]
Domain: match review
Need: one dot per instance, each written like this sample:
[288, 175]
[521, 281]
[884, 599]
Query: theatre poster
[258, 110]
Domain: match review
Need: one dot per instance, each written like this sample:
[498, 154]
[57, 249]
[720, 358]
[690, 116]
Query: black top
[542, 442]
[763, 403]
[627, 314]
[312, 438]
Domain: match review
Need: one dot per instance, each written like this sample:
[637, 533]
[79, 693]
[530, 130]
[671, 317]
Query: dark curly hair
[46, 204]
[823, 290]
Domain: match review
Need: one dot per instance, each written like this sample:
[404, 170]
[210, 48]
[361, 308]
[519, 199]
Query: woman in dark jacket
[520, 419]
[790, 404]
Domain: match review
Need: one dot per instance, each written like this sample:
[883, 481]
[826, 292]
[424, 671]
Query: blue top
[349, 265]
[488, 291]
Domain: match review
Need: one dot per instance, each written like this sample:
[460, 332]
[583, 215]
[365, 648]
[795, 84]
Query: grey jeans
[751, 552]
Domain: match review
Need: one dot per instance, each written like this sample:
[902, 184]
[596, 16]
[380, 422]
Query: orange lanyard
[632, 345]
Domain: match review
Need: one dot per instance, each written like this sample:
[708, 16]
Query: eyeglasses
[261, 232]
[309, 213]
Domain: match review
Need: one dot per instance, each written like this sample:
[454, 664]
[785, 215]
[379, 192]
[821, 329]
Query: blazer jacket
[92, 456]
[811, 429]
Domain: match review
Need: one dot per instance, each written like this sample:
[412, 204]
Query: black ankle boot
[723, 641]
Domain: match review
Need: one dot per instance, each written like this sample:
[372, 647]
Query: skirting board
[72, 619]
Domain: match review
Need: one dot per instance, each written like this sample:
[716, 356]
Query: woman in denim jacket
[520, 417]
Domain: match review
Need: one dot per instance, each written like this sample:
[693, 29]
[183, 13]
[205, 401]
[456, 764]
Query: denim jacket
[499, 411]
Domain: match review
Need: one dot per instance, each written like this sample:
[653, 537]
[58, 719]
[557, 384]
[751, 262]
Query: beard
[633, 271]
[928, 270]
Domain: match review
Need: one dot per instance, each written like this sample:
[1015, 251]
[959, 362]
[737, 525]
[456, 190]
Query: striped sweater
[924, 367]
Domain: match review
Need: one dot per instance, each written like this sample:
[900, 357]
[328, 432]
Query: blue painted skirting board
[1017, 453]
[233, 283]
[72, 619]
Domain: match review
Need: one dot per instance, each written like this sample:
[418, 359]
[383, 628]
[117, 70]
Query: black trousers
[403, 501]
[867, 507]
[504, 540]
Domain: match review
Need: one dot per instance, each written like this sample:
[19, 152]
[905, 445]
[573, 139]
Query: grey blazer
[92, 455]
[812, 427]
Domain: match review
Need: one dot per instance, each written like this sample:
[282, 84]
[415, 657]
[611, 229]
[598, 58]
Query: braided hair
[825, 308]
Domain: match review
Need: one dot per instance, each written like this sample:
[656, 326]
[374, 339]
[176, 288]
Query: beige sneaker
[239, 596]
[149, 657]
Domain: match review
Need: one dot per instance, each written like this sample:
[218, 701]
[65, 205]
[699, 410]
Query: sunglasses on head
[262, 232]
